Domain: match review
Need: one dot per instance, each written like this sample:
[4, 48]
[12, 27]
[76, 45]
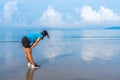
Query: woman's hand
[35, 43]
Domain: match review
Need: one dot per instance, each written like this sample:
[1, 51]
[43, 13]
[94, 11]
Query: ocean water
[16, 35]
[67, 55]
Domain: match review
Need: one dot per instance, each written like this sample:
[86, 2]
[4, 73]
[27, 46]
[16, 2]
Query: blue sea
[86, 54]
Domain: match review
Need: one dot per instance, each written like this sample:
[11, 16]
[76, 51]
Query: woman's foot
[35, 66]
[29, 65]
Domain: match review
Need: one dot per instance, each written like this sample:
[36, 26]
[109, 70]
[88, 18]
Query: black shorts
[25, 42]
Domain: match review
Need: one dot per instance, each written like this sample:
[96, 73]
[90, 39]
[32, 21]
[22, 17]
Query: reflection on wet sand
[30, 73]
[68, 55]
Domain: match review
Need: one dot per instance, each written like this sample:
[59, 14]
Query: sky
[57, 13]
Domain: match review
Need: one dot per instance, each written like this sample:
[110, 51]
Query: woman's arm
[35, 43]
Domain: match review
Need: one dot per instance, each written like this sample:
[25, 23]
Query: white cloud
[51, 18]
[9, 9]
[68, 20]
[103, 15]
[68, 17]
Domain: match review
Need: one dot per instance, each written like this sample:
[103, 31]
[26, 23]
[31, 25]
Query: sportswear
[32, 37]
[25, 42]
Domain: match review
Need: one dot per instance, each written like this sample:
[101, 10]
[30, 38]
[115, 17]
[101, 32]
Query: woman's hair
[45, 33]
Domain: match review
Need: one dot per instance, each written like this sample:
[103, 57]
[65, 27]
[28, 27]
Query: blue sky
[57, 13]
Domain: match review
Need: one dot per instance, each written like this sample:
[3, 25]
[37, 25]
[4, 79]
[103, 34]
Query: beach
[68, 55]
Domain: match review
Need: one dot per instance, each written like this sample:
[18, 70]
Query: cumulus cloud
[68, 19]
[68, 16]
[11, 14]
[103, 15]
[100, 16]
[9, 9]
[51, 17]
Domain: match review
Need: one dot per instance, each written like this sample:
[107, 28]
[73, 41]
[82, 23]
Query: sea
[79, 54]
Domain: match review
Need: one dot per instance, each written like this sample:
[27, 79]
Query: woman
[29, 41]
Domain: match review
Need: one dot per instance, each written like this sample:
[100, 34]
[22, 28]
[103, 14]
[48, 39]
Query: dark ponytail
[45, 33]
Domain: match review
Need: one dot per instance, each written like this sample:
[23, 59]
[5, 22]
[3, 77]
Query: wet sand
[66, 63]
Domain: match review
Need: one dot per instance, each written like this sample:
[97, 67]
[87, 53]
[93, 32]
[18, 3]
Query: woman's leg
[28, 53]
